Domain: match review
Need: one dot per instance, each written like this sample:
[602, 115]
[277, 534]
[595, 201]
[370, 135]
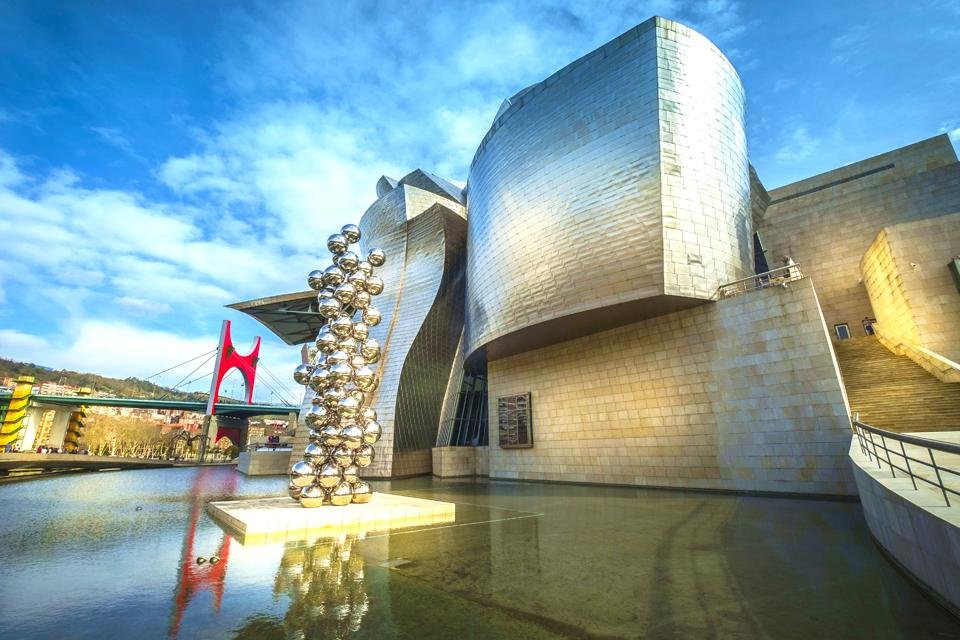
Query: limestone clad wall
[827, 222]
[743, 394]
[910, 287]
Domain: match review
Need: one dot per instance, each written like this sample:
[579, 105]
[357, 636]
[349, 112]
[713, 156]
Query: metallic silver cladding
[621, 178]
[410, 224]
[430, 359]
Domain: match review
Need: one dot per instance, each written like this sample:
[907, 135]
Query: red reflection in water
[192, 576]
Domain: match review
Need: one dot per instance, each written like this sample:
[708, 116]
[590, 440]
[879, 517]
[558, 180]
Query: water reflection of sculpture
[325, 585]
[342, 429]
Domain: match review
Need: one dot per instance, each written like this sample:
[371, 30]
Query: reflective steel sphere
[330, 435]
[333, 276]
[327, 341]
[331, 396]
[370, 349]
[371, 316]
[328, 476]
[342, 327]
[365, 268]
[343, 456]
[315, 435]
[316, 453]
[341, 495]
[301, 375]
[320, 379]
[348, 408]
[294, 491]
[368, 413]
[315, 417]
[374, 285]
[358, 279]
[351, 232]
[357, 361]
[349, 261]
[363, 378]
[376, 257]
[302, 473]
[341, 373]
[312, 354]
[349, 344]
[361, 300]
[363, 456]
[352, 437]
[351, 474]
[360, 331]
[337, 244]
[360, 396]
[372, 431]
[345, 293]
[329, 307]
[338, 357]
[362, 492]
[312, 496]
[315, 280]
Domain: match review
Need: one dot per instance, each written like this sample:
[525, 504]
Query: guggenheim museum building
[616, 298]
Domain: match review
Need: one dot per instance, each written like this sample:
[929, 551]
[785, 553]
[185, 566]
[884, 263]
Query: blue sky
[161, 159]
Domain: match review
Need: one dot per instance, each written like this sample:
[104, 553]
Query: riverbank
[15, 467]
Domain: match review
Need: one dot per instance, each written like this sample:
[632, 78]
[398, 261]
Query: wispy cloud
[115, 138]
[952, 129]
[847, 48]
[799, 145]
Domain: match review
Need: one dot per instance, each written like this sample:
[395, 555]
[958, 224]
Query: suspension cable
[176, 386]
[180, 365]
[279, 383]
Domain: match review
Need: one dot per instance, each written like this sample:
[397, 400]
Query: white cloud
[952, 129]
[121, 350]
[142, 306]
[848, 47]
[799, 146]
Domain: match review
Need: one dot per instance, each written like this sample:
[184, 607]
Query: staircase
[892, 392]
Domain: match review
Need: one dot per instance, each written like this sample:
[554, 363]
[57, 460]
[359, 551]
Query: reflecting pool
[114, 555]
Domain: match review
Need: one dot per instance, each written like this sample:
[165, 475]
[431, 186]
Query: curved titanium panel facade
[422, 316]
[620, 182]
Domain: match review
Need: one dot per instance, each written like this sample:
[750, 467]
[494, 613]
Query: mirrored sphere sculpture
[343, 428]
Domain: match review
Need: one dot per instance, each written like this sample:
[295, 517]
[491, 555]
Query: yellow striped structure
[16, 410]
[71, 441]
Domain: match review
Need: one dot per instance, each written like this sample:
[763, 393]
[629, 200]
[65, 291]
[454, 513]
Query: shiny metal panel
[410, 224]
[622, 177]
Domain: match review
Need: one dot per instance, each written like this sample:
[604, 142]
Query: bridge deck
[199, 406]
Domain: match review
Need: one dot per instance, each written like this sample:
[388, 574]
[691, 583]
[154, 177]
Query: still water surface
[79, 560]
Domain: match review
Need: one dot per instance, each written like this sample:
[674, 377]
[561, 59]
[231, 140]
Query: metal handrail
[871, 448]
[775, 277]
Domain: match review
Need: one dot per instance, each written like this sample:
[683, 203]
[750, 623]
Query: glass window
[842, 331]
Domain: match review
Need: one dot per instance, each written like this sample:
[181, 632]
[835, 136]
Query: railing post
[874, 443]
[909, 470]
[883, 443]
[939, 479]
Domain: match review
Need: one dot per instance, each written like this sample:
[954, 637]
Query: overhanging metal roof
[292, 317]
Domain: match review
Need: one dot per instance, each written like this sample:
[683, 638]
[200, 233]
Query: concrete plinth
[283, 519]
[264, 462]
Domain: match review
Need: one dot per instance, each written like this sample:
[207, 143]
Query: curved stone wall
[620, 182]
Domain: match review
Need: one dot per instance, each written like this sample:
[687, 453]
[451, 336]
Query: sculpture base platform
[283, 519]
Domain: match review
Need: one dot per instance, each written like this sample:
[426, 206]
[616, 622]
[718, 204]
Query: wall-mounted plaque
[514, 417]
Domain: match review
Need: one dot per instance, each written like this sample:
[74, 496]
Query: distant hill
[126, 388]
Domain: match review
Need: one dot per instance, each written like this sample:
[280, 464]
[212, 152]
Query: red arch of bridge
[227, 359]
